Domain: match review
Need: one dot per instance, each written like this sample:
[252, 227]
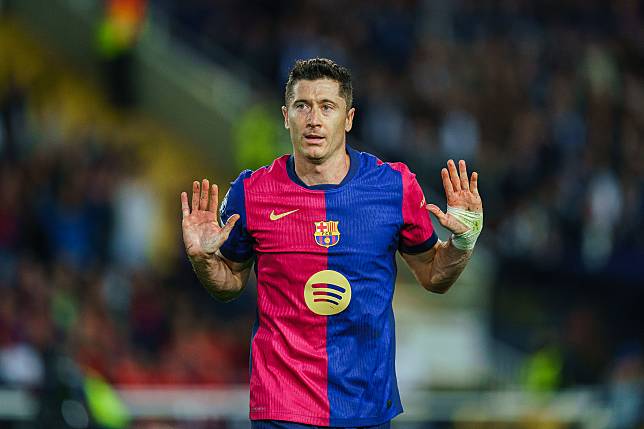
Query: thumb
[436, 211]
[225, 231]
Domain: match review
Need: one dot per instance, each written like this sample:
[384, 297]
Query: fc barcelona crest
[327, 233]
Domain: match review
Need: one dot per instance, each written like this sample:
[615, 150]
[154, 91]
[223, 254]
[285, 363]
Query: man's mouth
[313, 138]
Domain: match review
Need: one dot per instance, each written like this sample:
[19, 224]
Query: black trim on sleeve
[420, 248]
[235, 257]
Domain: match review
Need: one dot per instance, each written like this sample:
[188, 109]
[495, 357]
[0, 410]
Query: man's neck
[330, 172]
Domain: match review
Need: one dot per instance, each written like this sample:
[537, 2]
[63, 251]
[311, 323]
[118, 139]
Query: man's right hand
[202, 235]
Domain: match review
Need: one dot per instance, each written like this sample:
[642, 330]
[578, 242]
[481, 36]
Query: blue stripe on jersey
[360, 340]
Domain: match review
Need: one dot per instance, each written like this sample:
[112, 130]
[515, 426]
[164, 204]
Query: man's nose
[313, 118]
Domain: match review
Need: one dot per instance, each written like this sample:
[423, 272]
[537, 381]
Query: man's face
[317, 119]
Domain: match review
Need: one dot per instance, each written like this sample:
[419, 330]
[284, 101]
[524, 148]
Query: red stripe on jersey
[289, 361]
[417, 226]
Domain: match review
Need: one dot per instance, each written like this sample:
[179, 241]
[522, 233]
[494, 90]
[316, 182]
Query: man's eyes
[324, 107]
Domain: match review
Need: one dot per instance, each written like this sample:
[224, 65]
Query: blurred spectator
[117, 35]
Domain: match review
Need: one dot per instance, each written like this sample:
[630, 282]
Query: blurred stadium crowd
[75, 273]
[544, 99]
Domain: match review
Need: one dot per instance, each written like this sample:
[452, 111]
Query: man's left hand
[461, 192]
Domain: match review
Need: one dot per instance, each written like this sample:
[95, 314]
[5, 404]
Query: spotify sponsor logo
[327, 293]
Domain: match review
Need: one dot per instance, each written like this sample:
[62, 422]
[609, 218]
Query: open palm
[461, 192]
[202, 234]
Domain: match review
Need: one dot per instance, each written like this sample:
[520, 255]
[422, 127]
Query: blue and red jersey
[323, 346]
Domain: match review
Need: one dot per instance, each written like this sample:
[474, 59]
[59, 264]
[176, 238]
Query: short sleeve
[239, 245]
[417, 233]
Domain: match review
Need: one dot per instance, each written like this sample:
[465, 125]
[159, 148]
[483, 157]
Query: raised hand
[202, 234]
[461, 192]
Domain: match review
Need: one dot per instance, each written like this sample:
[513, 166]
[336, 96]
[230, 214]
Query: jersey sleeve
[417, 233]
[239, 245]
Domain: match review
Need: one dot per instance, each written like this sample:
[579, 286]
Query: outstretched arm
[438, 268]
[202, 237]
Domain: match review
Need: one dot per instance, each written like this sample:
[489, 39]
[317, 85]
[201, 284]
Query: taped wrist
[472, 220]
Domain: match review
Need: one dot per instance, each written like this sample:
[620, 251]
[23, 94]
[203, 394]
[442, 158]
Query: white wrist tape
[472, 220]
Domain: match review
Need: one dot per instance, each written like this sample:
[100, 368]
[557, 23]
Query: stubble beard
[327, 154]
[313, 158]
[317, 160]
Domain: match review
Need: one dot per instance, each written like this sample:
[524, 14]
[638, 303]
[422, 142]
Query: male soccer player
[321, 228]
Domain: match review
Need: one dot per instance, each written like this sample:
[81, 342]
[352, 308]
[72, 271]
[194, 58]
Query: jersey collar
[354, 161]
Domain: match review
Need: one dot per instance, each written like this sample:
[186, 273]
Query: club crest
[327, 233]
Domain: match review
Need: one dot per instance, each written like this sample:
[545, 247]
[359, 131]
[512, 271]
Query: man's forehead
[319, 88]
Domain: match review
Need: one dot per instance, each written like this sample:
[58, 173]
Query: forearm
[448, 264]
[217, 276]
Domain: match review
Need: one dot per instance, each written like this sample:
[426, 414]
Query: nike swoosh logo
[274, 216]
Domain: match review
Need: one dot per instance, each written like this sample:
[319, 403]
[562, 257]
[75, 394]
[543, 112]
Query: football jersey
[323, 347]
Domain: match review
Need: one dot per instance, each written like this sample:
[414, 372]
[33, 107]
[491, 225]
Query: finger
[195, 195]
[447, 184]
[203, 200]
[214, 198]
[474, 183]
[225, 231]
[442, 217]
[448, 221]
[453, 175]
[462, 168]
[185, 210]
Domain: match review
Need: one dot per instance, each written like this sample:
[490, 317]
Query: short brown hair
[320, 68]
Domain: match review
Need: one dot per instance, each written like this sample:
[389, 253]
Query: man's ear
[348, 122]
[285, 114]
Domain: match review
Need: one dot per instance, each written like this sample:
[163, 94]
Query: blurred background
[109, 109]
